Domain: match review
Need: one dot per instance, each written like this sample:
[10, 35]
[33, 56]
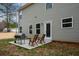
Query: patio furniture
[30, 36]
[23, 37]
[19, 38]
[33, 40]
[41, 38]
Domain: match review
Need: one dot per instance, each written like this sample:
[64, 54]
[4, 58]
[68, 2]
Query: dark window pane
[48, 30]
[37, 31]
[67, 25]
[20, 28]
[67, 20]
[48, 5]
[37, 25]
[30, 27]
[30, 31]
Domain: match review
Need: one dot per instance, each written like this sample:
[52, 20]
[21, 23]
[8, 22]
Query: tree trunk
[7, 20]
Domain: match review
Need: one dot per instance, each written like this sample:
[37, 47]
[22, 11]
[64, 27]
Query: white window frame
[38, 28]
[51, 26]
[46, 6]
[20, 15]
[30, 29]
[66, 23]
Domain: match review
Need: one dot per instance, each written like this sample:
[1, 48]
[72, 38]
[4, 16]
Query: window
[20, 28]
[37, 28]
[20, 15]
[30, 29]
[67, 23]
[48, 5]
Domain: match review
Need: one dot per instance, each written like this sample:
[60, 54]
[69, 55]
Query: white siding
[55, 14]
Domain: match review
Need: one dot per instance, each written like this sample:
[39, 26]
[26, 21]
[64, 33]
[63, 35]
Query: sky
[2, 15]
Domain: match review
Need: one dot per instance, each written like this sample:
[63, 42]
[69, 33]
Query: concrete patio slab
[27, 46]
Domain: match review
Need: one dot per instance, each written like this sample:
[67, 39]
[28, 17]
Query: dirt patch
[7, 35]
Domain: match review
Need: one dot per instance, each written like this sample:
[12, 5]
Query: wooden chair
[41, 38]
[33, 40]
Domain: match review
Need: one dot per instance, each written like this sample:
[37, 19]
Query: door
[48, 30]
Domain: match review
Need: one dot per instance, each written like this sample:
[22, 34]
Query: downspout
[18, 21]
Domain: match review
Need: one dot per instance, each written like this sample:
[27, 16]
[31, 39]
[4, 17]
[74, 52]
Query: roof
[25, 6]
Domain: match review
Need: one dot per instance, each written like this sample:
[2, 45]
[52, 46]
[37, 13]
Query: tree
[9, 9]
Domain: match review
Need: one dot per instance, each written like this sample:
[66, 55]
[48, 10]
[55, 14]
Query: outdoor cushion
[40, 35]
[30, 36]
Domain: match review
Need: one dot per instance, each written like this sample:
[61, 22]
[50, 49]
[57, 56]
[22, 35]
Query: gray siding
[37, 13]
[63, 11]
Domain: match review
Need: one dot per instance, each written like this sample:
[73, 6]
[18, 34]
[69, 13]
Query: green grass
[51, 49]
[12, 25]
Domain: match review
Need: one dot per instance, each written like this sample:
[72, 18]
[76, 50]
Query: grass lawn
[53, 48]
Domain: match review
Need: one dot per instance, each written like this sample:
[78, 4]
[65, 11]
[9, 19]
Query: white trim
[30, 29]
[68, 22]
[37, 28]
[17, 20]
[50, 29]
[49, 8]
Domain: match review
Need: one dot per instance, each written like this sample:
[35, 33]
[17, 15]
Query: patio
[26, 44]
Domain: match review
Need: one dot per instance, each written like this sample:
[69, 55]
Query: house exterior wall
[63, 11]
[31, 16]
[37, 13]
